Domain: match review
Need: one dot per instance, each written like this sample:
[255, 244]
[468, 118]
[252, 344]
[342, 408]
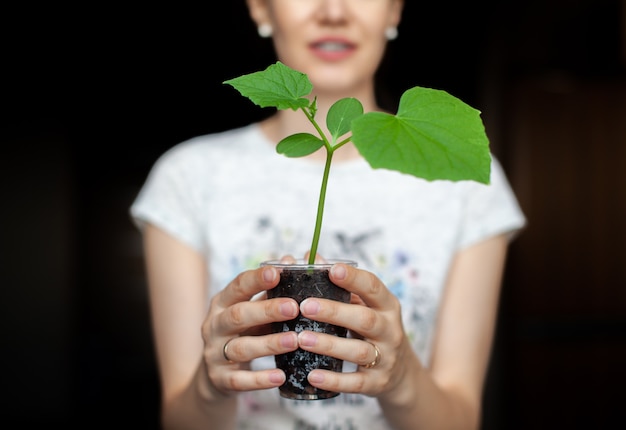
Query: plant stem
[320, 206]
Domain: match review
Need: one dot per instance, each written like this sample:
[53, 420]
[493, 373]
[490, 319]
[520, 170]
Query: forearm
[448, 394]
[422, 403]
[199, 406]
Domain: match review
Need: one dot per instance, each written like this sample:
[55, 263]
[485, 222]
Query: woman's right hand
[236, 330]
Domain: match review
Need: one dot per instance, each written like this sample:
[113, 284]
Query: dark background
[92, 96]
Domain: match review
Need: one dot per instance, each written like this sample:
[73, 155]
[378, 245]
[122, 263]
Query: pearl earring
[391, 33]
[264, 30]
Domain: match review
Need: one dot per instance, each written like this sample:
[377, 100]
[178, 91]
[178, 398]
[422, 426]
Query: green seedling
[433, 136]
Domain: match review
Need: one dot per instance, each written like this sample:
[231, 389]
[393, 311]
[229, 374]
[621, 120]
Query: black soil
[300, 284]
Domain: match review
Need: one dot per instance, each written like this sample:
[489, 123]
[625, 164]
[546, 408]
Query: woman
[430, 257]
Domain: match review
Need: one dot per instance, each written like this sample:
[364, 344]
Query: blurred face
[337, 43]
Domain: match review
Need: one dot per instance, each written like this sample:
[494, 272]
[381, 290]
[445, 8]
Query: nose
[333, 10]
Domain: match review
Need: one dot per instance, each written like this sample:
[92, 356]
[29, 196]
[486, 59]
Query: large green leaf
[433, 136]
[277, 86]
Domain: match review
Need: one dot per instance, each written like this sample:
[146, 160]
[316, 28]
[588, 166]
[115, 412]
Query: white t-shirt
[230, 196]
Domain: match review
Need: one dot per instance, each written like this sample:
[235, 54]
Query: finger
[287, 259]
[356, 300]
[245, 315]
[347, 382]
[356, 351]
[244, 380]
[318, 258]
[364, 284]
[246, 348]
[360, 319]
[247, 284]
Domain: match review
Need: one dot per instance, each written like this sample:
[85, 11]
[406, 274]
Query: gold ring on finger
[376, 360]
[225, 351]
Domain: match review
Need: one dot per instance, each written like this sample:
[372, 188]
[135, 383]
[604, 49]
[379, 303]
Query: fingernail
[268, 274]
[277, 377]
[307, 339]
[338, 271]
[289, 309]
[310, 307]
[316, 377]
[289, 341]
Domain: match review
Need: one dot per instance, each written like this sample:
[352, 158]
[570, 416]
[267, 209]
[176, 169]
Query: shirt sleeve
[491, 209]
[167, 198]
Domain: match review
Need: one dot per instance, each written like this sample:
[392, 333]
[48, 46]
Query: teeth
[332, 46]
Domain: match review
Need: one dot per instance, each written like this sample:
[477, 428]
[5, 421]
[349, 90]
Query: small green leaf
[433, 136]
[277, 86]
[299, 145]
[341, 114]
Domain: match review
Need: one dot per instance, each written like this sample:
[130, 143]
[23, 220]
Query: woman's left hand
[380, 346]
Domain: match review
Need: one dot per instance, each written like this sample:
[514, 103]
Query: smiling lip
[332, 49]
